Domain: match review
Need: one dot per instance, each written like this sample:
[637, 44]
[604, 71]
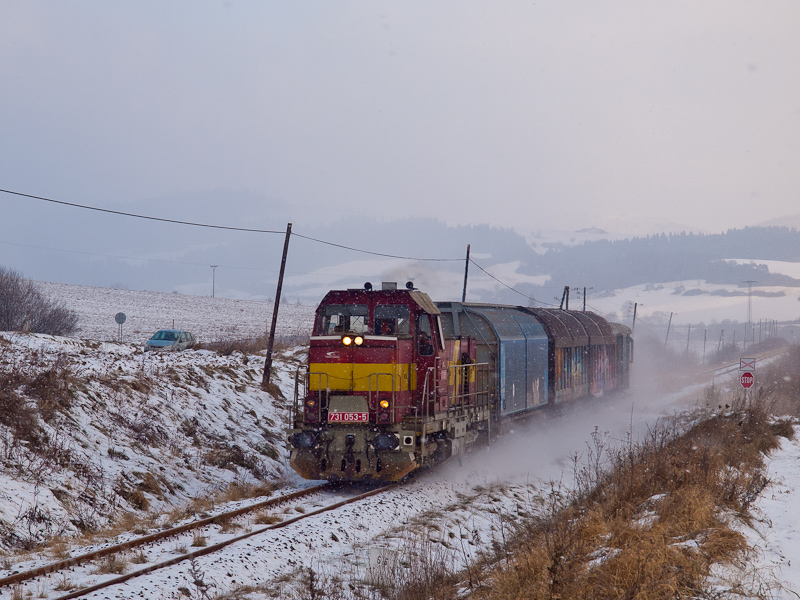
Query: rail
[68, 564]
[154, 537]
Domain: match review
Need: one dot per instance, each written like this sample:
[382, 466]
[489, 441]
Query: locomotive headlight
[347, 340]
[385, 441]
[384, 403]
[359, 340]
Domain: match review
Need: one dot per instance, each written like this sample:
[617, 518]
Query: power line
[207, 225]
[211, 226]
[508, 286]
[126, 214]
[377, 253]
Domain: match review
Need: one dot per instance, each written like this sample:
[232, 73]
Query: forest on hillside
[613, 264]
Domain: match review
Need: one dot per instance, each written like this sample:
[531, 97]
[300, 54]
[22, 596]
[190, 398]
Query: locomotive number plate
[348, 417]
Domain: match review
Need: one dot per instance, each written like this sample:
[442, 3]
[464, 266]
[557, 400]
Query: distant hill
[102, 250]
[613, 264]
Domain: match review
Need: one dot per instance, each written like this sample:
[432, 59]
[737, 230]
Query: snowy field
[695, 301]
[461, 499]
[210, 319]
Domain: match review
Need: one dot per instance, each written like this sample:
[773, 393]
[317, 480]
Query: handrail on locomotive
[431, 395]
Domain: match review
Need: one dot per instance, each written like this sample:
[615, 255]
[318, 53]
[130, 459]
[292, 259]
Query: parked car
[170, 339]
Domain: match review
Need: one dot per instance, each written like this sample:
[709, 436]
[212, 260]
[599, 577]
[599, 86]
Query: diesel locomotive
[396, 382]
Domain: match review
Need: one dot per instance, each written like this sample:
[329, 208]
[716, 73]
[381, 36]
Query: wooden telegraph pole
[466, 272]
[666, 339]
[268, 361]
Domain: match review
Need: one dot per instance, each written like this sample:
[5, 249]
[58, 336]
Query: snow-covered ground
[210, 319]
[123, 430]
[454, 510]
[697, 301]
[776, 537]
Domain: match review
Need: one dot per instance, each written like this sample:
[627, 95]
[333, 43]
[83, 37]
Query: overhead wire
[251, 230]
[508, 286]
[211, 226]
[127, 214]
[376, 253]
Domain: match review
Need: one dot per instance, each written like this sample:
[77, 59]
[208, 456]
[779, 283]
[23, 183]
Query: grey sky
[551, 114]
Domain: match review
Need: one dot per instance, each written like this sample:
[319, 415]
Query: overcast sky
[533, 115]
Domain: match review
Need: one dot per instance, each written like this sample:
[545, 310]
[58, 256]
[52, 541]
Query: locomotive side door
[425, 346]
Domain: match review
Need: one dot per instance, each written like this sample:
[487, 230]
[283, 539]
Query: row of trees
[24, 308]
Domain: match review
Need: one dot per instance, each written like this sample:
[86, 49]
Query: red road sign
[747, 380]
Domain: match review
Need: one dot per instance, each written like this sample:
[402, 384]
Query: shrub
[17, 413]
[23, 307]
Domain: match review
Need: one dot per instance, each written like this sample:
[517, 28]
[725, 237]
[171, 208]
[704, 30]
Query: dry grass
[252, 346]
[242, 490]
[128, 521]
[266, 518]
[59, 549]
[651, 523]
[113, 563]
[226, 524]
[65, 584]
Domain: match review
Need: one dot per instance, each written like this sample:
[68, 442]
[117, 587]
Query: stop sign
[747, 380]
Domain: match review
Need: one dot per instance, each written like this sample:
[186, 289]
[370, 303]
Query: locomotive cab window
[391, 319]
[344, 318]
[424, 336]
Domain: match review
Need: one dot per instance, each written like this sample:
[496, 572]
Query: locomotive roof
[397, 296]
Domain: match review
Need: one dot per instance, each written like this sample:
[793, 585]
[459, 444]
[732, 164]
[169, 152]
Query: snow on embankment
[90, 429]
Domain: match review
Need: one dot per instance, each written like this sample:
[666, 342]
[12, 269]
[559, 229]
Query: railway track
[763, 356]
[32, 574]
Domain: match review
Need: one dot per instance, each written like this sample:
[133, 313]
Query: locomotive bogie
[353, 453]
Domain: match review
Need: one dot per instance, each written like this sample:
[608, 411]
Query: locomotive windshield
[344, 318]
[391, 319]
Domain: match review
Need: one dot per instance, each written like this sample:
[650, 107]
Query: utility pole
[213, 278]
[466, 273]
[565, 296]
[749, 283]
[668, 326]
[633, 325]
[268, 361]
[705, 337]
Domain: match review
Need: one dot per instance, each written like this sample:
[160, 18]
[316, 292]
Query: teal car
[170, 339]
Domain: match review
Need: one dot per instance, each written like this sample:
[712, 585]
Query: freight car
[396, 382]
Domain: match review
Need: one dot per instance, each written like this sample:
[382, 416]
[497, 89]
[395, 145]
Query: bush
[23, 307]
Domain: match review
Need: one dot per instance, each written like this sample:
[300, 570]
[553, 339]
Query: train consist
[396, 382]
